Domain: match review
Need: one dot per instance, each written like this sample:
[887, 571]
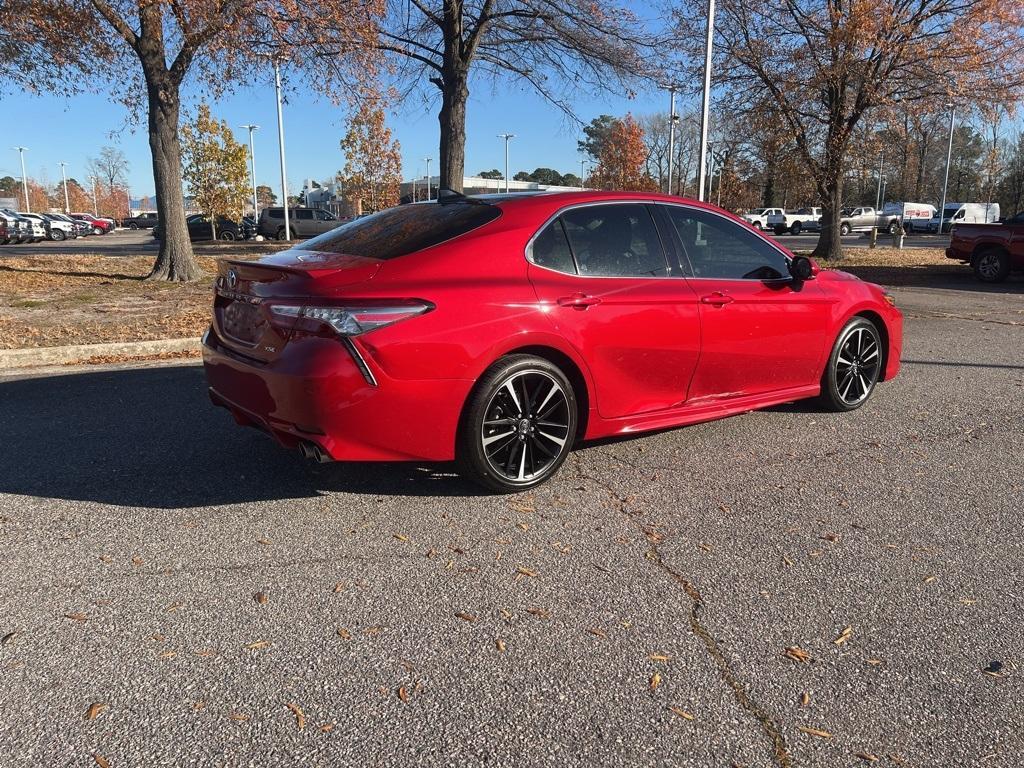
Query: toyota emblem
[232, 278]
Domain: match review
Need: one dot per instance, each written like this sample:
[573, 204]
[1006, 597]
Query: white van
[913, 215]
[964, 213]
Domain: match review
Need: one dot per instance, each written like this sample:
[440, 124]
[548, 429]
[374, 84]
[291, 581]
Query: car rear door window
[550, 249]
[722, 249]
[304, 214]
[618, 240]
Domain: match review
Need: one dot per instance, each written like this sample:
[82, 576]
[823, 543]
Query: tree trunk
[830, 246]
[454, 95]
[175, 260]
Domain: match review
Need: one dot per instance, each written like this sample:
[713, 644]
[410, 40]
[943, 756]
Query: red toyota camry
[500, 330]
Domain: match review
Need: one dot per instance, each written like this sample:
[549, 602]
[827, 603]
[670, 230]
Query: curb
[27, 358]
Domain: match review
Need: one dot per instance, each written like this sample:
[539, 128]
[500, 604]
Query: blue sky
[72, 130]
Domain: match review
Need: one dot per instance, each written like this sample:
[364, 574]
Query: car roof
[562, 199]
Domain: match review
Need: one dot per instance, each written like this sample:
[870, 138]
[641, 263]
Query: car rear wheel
[991, 265]
[519, 424]
[57, 234]
[133, 225]
[854, 366]
[844, 229]
[98, 230]
[795, 229]
[226, 235]
[756, 225]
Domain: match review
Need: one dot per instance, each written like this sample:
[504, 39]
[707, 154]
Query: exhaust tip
[311, 450]
[305, 450]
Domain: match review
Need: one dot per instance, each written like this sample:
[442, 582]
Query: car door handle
[716, 299]
[578, 301]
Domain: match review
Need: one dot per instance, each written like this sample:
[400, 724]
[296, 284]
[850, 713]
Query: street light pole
[24, 178]
[427, 161]
[506, 137]
[705, 100]
[280, 142]
[671, 133]
[63, 175]
[878, 194]
[95, 204]
[949, 158]
[252, 159]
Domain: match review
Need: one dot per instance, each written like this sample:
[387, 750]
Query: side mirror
[801, 268]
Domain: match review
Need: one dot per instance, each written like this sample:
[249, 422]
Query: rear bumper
[314, 391]
[958, 254]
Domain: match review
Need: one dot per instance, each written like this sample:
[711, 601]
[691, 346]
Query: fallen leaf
[199, 705]
[327, 728]
[522, 508]
[843, 636]
[465, 616]
[238, 717]
[705, 547]
[400, 537]
[167, 655]
[682, 713]
[797, 654]
[403, 694]
[264, 542]
[786, 559]
[874, 662]
[597, 632]
[207, 652]
[173, 607]
[343, 633]
[816, 732]
[541, 613]
[805, 699]
[7, 638]
[106, 558]
[526, 572]
[499, 644]
[374, 630]
[523, 526]
[832, 537]
[258, 645]
[300, 718]
[137, 561]
[929, 579]
[261, 598]
[866, 756]
[94, 710]
[659, 657]
[100, 760]
[338, 587]
[655, 681]
[76, 616]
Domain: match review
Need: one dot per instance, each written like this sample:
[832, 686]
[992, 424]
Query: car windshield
[403, 230]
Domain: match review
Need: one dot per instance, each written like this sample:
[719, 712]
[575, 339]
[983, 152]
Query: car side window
[551, 249]
[721, 249]
[615, 241]
[324, 216]
[304, 214]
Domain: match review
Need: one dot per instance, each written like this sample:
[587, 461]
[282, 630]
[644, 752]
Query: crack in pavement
[769, 725]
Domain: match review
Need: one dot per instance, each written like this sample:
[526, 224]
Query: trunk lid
[244, 291]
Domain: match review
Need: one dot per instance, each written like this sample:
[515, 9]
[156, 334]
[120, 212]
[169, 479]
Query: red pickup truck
[992, 250]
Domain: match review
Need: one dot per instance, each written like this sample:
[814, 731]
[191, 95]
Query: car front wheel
[227, 235]
[854, 367]
[795, 229]
[57, 234]
[991, 265]
[519, 424]
[844, 229]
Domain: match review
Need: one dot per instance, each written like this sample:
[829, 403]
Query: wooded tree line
[810, 77]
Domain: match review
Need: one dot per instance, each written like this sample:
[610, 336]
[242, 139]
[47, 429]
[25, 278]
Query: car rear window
[402, 230]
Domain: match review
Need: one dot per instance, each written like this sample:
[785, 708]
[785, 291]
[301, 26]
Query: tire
[281, 234]
[757, 225]
[854, 367]
[844, 229]
[991, 265]
[893, 226]
[57, 234]
[133, 225]
[226, 235]
[779, 230]
[98, 230]
[518, 426]
[796, 228]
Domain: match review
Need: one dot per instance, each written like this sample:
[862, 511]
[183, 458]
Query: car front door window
[720, 249]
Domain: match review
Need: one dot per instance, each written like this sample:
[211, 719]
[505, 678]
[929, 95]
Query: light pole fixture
[95, 203]
[24, 178]
[427, 161]
[878, 195]
[672, 118]
[506, 137]
[705, 101]
[949, 158]
[64, 177]
[252, 160]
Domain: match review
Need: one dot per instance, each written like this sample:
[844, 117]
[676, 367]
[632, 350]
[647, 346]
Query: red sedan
[500, 330]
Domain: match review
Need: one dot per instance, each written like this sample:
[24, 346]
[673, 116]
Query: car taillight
[347, 320]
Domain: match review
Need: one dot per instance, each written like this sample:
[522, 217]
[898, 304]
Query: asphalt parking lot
[224, 602]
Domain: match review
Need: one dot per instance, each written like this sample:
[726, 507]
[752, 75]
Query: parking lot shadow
[944, 277]
[150, 437]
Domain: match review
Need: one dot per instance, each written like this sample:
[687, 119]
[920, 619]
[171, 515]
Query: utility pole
[95, 204]
[280, 142]
[949, 158]
[878, 195]
[64, 177]
[672, 117]
[252, 159]
[705, 101]
[583, 172]
[506, 137]
[24, 178]
[427, 161]
[710, 173]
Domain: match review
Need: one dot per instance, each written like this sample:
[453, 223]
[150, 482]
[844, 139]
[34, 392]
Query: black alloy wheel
[854, 367]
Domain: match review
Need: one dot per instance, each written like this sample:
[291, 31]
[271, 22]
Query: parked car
[913, 216]
[146, 220]
[955, 214]
[13, 233]
[99, 226]
[61, 223]
[31, 231]
[55, 229]
[794, 222]
[865, 218]
[758, 218]
[303, 222]
[199, 228]
[500, 330]
[992, 250]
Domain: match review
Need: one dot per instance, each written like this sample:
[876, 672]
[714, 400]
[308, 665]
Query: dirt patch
[185, 354]
[48, 301]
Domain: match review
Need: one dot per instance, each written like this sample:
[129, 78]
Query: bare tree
[110, 166]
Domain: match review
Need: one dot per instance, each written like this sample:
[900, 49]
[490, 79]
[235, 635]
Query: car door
[761, 330]
[324, 221]
[304, 223]
[604, 275]
[199, 228]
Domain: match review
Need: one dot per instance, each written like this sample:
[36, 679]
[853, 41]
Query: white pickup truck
[795, 222]
[758, 217]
